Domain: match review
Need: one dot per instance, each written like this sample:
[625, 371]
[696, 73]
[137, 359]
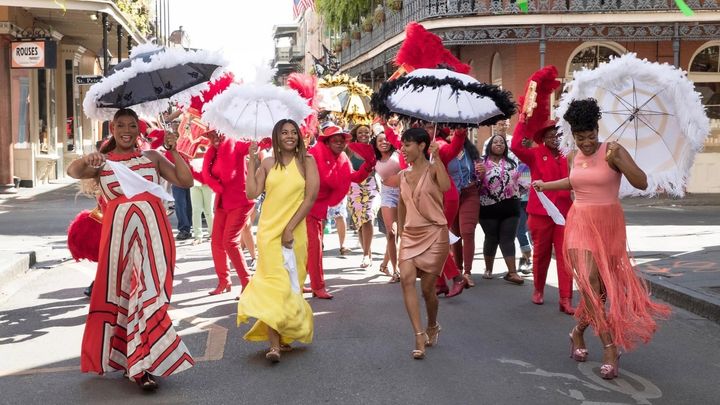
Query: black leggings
[499, 222]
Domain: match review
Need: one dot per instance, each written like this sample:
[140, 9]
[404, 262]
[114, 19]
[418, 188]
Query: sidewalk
[681, 262]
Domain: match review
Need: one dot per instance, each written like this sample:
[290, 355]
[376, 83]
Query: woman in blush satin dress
[423, 230]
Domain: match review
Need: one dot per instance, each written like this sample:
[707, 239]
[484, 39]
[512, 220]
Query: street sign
[85, 79]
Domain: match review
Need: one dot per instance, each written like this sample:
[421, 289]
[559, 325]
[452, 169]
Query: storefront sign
[86, 79]
[34, 54]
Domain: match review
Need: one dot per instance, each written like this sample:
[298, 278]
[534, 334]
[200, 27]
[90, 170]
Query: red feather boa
[84, 237]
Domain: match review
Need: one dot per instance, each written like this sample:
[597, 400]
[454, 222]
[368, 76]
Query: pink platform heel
[578, 354]
[608, 371]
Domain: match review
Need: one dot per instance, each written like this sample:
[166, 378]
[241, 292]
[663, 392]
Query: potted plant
[337, 45]
[366, 24]
[345, 40]
[355, 32]
[394, 5]
[379, 14]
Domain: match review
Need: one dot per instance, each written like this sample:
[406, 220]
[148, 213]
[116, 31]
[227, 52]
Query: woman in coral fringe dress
[614, 301]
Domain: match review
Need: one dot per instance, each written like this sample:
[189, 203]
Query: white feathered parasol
[652, 110]
[250, 111]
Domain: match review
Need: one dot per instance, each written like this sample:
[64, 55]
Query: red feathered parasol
[535, 104]
[306, 86]
[423, 49]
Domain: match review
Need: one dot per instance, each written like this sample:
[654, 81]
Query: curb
[15, 265]
[684, 298]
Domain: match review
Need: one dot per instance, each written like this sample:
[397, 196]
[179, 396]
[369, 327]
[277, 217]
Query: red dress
[128, 327]
[595, 237]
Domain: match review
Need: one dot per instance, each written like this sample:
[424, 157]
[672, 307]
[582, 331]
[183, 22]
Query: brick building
[505, 47]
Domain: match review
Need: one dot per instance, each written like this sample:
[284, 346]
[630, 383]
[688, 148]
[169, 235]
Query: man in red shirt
[546, 163]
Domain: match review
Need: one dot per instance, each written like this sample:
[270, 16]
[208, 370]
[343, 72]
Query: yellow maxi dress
[269, 297]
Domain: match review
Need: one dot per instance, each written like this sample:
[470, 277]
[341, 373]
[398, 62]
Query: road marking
[638, 388]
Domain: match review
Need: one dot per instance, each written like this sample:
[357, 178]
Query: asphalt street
[495, 347]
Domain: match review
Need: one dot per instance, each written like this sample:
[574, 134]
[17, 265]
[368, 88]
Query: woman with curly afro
[614, 301]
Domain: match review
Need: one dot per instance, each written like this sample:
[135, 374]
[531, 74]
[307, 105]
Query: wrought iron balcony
[422, 10]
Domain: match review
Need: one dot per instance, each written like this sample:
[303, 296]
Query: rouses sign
[34, 54]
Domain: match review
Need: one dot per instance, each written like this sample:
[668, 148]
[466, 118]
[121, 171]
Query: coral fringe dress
[425, 236]
[269, 297]
[595, 236]
[128, 327]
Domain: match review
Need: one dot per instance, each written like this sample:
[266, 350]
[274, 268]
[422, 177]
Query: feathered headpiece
[306, 86]
[423, 49]
[535, 103]
[217, 86]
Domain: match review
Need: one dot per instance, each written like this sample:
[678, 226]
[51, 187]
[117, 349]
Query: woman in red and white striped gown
[128, 327]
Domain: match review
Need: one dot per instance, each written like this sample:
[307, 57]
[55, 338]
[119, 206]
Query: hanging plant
[379, 15]
[345, 40]
[395, 5]
[366, 24]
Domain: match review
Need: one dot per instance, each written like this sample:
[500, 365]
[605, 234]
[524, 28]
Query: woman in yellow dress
[290, 181]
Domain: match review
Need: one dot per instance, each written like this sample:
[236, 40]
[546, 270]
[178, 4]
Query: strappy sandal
[146, 382]
[418, 354]
[513, 278]
[273, 355]
[487, 275]
[384, 269]
[433, 333]
[285, 347]
[345, 251]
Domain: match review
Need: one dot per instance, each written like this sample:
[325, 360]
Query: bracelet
[168, 148]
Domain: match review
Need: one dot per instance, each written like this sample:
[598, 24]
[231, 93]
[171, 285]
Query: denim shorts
[339, 210]
[389, 196]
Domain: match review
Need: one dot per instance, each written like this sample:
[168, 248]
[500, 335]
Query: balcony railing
[420, 10]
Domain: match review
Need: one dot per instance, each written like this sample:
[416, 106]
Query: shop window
[705, 73]
[591, 57]
[496, 70]
[24, 111]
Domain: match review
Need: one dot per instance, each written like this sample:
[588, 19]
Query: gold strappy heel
[433, 333]
[419, 354]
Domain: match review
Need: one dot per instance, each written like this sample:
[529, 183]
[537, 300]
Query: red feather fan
[423, 49]
[84, 236]
[217, 86]
[546, 82]
[306, 86]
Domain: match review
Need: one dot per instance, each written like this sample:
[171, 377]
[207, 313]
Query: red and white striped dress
[128, 327]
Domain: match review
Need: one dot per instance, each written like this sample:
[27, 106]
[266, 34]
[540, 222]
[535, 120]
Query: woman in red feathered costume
[336, 174]
[224, 171]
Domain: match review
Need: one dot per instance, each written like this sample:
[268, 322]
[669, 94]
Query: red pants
[227, 227]
[464, 226]
[450, 270]
[546, 234]
[314, 260]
